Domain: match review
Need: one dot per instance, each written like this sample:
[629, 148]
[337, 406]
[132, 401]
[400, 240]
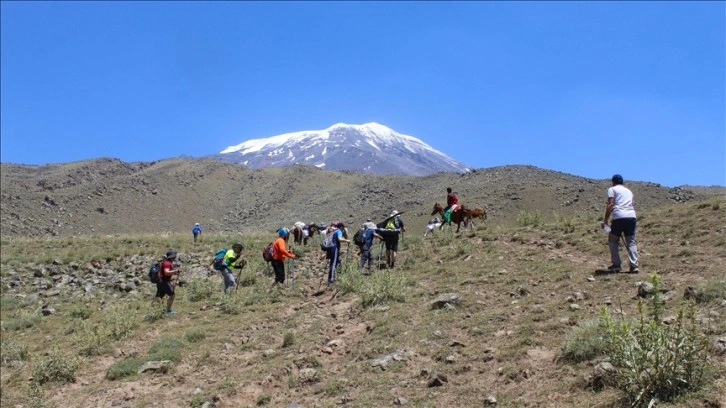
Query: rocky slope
[108, 196]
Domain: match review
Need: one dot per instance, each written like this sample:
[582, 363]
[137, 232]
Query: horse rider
[452, 203]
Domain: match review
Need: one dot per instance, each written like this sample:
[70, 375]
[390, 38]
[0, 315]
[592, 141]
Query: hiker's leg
[170, 302]
[630, 242]
[614, 243]
[228, 278]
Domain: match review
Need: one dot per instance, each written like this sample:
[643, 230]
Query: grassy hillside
[526, 331]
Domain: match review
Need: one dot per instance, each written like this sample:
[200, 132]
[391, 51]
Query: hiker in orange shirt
[279, 253]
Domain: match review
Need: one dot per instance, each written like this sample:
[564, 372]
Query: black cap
[617, 179]
[171, 253]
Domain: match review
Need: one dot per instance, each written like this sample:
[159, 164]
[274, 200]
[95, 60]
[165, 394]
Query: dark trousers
[334, 256]
[279, 267]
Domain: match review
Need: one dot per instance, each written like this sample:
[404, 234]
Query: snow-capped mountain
[368, 148]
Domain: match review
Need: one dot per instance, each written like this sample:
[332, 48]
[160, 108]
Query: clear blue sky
[587, 88]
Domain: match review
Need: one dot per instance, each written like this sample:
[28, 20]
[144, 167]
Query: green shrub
[119, 322]
[526, 218]
[166, 348]
[195, 334]
[564, 224]
[81, 312]
[90, 339]
[374, 289]
[8, 303]
[654, 359]
[55, 367]
[201, 289]
[288, 340]
[263, 400]
[711, 290]
[247, 279]
[24, 320]
[124, 368]
[13, 353]
[585, 342]
[231, 305]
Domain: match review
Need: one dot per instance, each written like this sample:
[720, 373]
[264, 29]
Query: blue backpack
[154, 272]
[218, 262]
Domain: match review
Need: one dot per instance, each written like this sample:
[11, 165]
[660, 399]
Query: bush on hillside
[654, 359]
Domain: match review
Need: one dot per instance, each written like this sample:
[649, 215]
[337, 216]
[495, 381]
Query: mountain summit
[369, 148]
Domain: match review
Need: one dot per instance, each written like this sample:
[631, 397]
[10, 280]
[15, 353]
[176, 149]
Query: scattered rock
[400, 401]
[162, 366]
[603, 375]
[490, 401]
[445, 300]
[47, 310]
[645, 289]
[437, 380]
[720, 345]
[399, 355]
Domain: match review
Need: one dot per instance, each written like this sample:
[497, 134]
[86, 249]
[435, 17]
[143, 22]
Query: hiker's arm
[609, 209]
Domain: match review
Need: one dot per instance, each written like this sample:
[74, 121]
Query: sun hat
[196, 224]
[282, 232]
[394, 213]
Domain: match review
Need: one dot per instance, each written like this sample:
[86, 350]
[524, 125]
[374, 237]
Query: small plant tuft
[288, 340]
[55, 368]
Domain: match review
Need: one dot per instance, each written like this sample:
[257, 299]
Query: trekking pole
[292, 272]
[347, 251]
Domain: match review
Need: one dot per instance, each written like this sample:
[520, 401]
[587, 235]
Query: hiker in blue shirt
[365, 249]
[196, 231]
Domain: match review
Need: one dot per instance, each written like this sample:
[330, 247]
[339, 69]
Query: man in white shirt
[620, 206]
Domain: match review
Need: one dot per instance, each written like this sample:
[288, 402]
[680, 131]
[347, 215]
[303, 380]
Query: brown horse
[476, 213]
[457, 217]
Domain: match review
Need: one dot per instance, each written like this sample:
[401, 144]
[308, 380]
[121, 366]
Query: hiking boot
[170, 312]
[634, 269]
[614, 268]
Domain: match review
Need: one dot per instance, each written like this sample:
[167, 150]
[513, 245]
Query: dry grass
[514, 334]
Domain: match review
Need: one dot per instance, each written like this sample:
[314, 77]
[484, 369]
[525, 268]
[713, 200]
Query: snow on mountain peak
[346, 145]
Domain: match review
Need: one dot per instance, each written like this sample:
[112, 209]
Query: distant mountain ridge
[370, 148]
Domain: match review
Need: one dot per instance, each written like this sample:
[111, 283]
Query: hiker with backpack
[393, 229]
[366, 243]
[164, 284]
[331, 245]
[224, 261]
[196, 231]
[279, 253]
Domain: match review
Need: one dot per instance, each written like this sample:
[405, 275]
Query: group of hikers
[620, 206]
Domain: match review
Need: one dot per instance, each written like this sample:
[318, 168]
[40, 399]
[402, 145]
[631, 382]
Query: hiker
[196, 231]
[452, 202]
[230, 260]
[394, 228]
[165, 286]
[334, 252]
[620, 206]
[279, 253]
[369, 234]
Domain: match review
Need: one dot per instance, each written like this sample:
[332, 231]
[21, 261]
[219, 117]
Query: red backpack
[267, 252]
